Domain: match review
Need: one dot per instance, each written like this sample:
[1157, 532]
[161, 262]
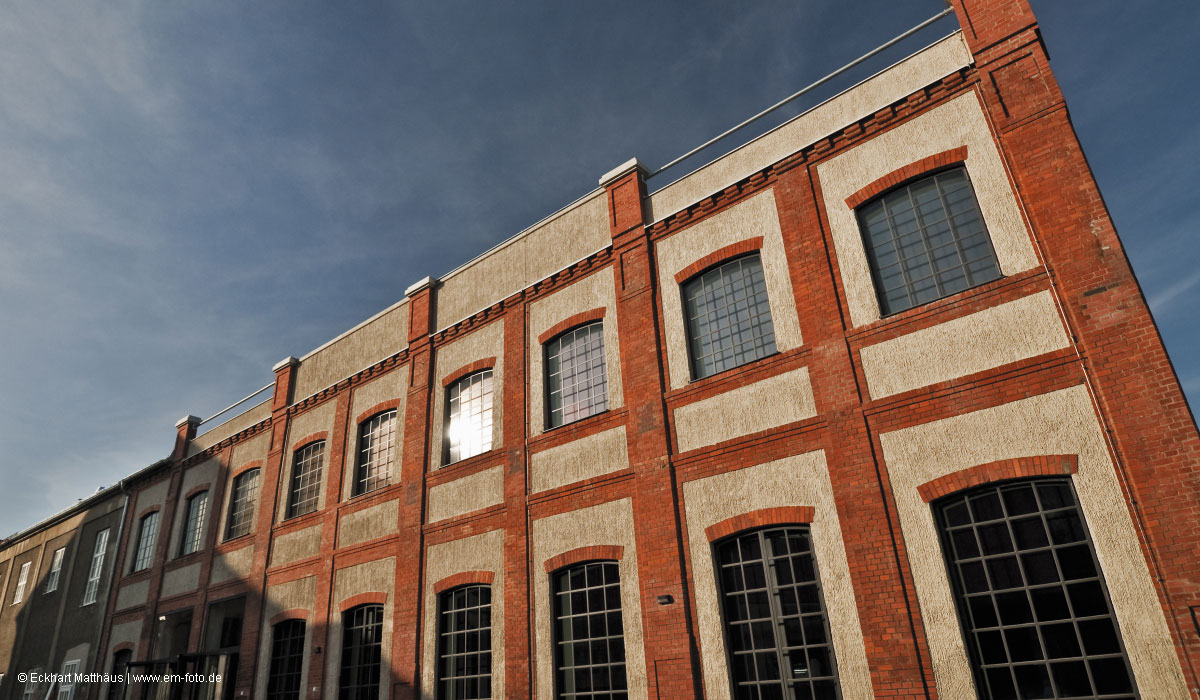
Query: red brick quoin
[574, 556]
[908, 172]
[464, 578]
[1021, 467]
[784, 515]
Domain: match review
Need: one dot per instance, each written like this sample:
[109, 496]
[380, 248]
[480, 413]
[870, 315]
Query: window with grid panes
[464, 670]
[589, 635]
[728, 317]
[287, 659]
[469, 416]
[305, 491]
[376, 437]
[22, 579]
[147, 534]
[193, 524]
[362, 648]
[576, 383]
[927, 240]
[1032, 601]
[776, 629]
[92, 587]
[55, 570]
[241, 504]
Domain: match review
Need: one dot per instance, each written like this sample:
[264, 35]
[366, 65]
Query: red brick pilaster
[185, 431]
[518, 660]
[672, 663]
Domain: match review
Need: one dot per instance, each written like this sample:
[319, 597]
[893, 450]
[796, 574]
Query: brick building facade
[870, 407]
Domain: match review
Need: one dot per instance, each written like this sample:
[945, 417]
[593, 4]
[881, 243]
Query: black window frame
[284, 680]
[590, 631]
[551, 350]
[761, 341]
[1027, 618]
[873, 254]
[373, 463]
[304, 486]
[487, 396]
[243, 503]
[464, 639]
[148, 527]
[361, 663]
[191, 534]
[784, 593]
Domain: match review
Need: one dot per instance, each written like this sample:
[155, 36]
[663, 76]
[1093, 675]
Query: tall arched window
[193, 524]
[242, 502]
[376, 437]
[776, 629]
[147, 536]
[589, 635]
[305, 491]
[926, 240]
[469, 416]
[464, 647]
[362, 649]
[1030, 594]
[576, 383]
[287, 660]
[728, 317]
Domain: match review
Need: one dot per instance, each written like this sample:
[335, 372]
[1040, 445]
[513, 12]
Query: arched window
[576, 383]
[926, 240]
[728, 317]
[305, 491]
[121, 659]
[147, 535]
[1030, 595]
[776, 630]
[242, 504]
[193, 524]
[589, 635]
[362, 648]
[469, 416]
[287, 660]
[464, 670]
[376, 437]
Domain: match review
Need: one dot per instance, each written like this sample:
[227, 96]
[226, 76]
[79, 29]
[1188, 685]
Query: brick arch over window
[196, 490]
[307, 439]
[908, 172]
[476, 366]
[749, 245]
[570, 322]
[381, 407]
[245, 468]
[373, 597]
[784, 515]
[464, 578]
[581, 554]
[148, 510]
[302, 614]
[123, 646]
[1019, 468]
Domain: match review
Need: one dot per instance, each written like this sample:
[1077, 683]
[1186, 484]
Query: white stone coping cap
[420, 284]
[622, 169]
[285, 362]
[189, 419]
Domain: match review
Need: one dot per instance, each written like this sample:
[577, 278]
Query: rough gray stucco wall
[1061, 422]
[595, 455]
[483, 552]
[300, 593]
[802, 480]
[132, 594]
[1019, 329]
[179, 581]
[597, 290]
[529, 257]
[605, 524]
[231, 565]
[295, 546]
[371, 577]
[754, 217]
[476, 345]
[768, 403]
[466, 495]
[378, 338]
[369, 523]
[956, 123]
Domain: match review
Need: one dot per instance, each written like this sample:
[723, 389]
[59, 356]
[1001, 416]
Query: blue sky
[190, 192]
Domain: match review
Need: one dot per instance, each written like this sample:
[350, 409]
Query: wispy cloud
[1160, 301]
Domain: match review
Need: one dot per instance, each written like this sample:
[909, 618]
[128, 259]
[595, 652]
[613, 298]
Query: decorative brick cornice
[472, 368]
[310, 438]
[377, 409]
[783, 515]
[1021, 467]
[292, 614]
[908, 172]
[730, 251]
[570, 322]
[581, 554]
[354, 601]
[464, 578]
